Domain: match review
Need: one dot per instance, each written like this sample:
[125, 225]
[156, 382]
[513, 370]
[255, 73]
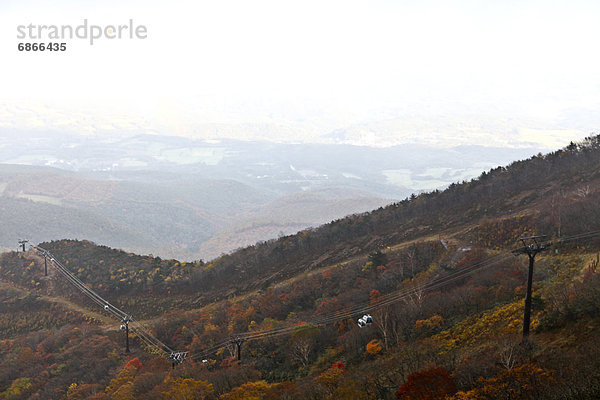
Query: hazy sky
[308, 67]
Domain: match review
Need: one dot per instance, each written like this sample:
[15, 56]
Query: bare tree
[508, 352]
[582, 192]
[302, 343]
[300, 349]
[411, 253]
[382, 321]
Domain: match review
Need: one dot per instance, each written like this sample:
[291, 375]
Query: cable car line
[143, 332]
[395, 296]
[80, 285]
[358, 309]
[138, 328]
[389, 298]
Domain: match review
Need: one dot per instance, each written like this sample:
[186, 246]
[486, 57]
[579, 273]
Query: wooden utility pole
[531, 246]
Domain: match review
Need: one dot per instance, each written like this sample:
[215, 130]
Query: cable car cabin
[122, 327]
[365, 320]
[106, 307]
[177, 357]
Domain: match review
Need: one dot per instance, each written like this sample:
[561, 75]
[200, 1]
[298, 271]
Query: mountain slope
[444, 311]
[554, 194]
[160, 213]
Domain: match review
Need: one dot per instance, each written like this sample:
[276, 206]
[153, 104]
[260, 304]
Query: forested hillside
[171, 214]
[434, 271]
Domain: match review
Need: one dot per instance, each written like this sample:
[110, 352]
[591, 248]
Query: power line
[360, 309]
[389, 298]
[127, 320]
[144, 334]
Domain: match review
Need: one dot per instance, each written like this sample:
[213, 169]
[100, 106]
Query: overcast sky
[311, 66]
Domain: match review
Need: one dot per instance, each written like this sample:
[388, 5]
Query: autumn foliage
[188, 389]
[55, 343]
[525, 382]
[374, 346]
[429, 384]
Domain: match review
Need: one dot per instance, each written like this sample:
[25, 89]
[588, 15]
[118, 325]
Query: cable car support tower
[532, 245]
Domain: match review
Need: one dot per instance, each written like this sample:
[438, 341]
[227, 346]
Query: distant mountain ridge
[192, 199]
